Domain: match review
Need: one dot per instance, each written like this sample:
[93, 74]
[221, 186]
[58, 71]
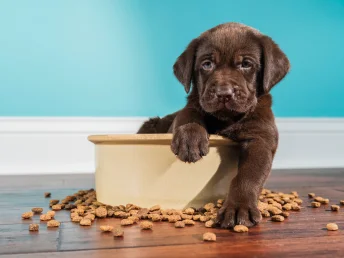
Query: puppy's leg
[157, 125]
[240, 206]
[190, 137]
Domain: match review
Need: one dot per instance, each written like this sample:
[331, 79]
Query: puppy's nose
[224, 92]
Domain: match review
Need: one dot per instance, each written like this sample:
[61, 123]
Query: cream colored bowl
[141, 169]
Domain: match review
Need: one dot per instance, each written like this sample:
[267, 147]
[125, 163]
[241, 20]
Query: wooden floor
[301, 235]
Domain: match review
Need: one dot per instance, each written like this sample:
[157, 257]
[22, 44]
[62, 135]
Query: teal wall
[114, 58]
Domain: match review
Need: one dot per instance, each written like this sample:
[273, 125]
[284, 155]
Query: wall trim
[49, 145]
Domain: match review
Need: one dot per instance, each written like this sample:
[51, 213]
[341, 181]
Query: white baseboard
[50, 145]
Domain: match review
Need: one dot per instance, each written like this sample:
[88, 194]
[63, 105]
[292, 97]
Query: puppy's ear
[183, 67]
[275, 64]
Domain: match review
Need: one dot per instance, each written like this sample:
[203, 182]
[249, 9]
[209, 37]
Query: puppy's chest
[230, 130]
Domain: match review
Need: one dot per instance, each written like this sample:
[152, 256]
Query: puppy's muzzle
[224, 93]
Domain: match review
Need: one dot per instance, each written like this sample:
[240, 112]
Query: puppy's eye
[207, 65]
[245, 64]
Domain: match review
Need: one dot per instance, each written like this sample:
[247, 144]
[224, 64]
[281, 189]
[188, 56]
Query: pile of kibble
[84, 209]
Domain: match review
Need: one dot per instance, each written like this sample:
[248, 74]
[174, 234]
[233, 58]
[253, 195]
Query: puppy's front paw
[241, 214]
[190, 142]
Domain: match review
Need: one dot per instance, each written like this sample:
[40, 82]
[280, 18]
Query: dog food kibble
[90, 217]
[146, 225]
[45, 217]
[209, 236]
[47, 195]
[101, 212]
[319, 199]
[189, 211]
[287, 207]
[56, 207]
[118, 232]
[85, 222]
[296, 208]
[189, 222]
[185, 216]
[134, 218]
[76, 218]
[37, 210]
[265, 213]
[70, 206]
[341, 202]
[126, 222]
[311, 195]
[240, 228]
[209, 206]
[156, 217]
[155, 208]
[196, 217]
[179, 224]
[332, 226]
[209, 224]
[335, 207]
[53, 223]
[27, 215]
[315, 204]
[325, 201]
[174, 218]
[53, 202]
[277, 218]
[204, 218]
[274, 211]
[285, 214]
[33, 227]
[106, 228]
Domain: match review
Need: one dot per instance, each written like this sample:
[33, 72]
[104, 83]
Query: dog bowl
[141, 169]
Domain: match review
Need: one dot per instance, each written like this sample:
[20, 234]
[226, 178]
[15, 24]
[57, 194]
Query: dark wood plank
[303, 234]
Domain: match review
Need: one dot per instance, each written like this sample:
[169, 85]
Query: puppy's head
[230, 66]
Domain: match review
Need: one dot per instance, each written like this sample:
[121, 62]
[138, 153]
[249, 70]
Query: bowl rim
[149, 139]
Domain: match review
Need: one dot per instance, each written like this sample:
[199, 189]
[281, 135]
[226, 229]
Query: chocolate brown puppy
[230, 70]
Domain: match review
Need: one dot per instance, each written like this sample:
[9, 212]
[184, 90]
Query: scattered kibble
[155, 208]
[90, 217]
[37, 210]
[209, 206]
[53, 202]
[45, 217]
[332, 227]
[240, 228]
[277, 218]
[189, 211]
[126, 222]
[209, 236]
[76, 218]
[209, 224]
[85, 222]
[146, 225]
[47, 195]
[156, 217]
[56, 207]
[335, 207]
[106, 228]
[179, 224]
[101, 212]
[315, 204]
[311, 195]
[118, 232]
[53, 223]
[27, 215]
[189, 222]
[33, 227]
[341, 202]
[285, 214]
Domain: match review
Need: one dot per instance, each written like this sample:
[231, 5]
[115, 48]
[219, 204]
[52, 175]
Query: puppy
[230, 70]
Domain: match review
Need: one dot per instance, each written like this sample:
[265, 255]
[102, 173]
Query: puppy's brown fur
[231, 69]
